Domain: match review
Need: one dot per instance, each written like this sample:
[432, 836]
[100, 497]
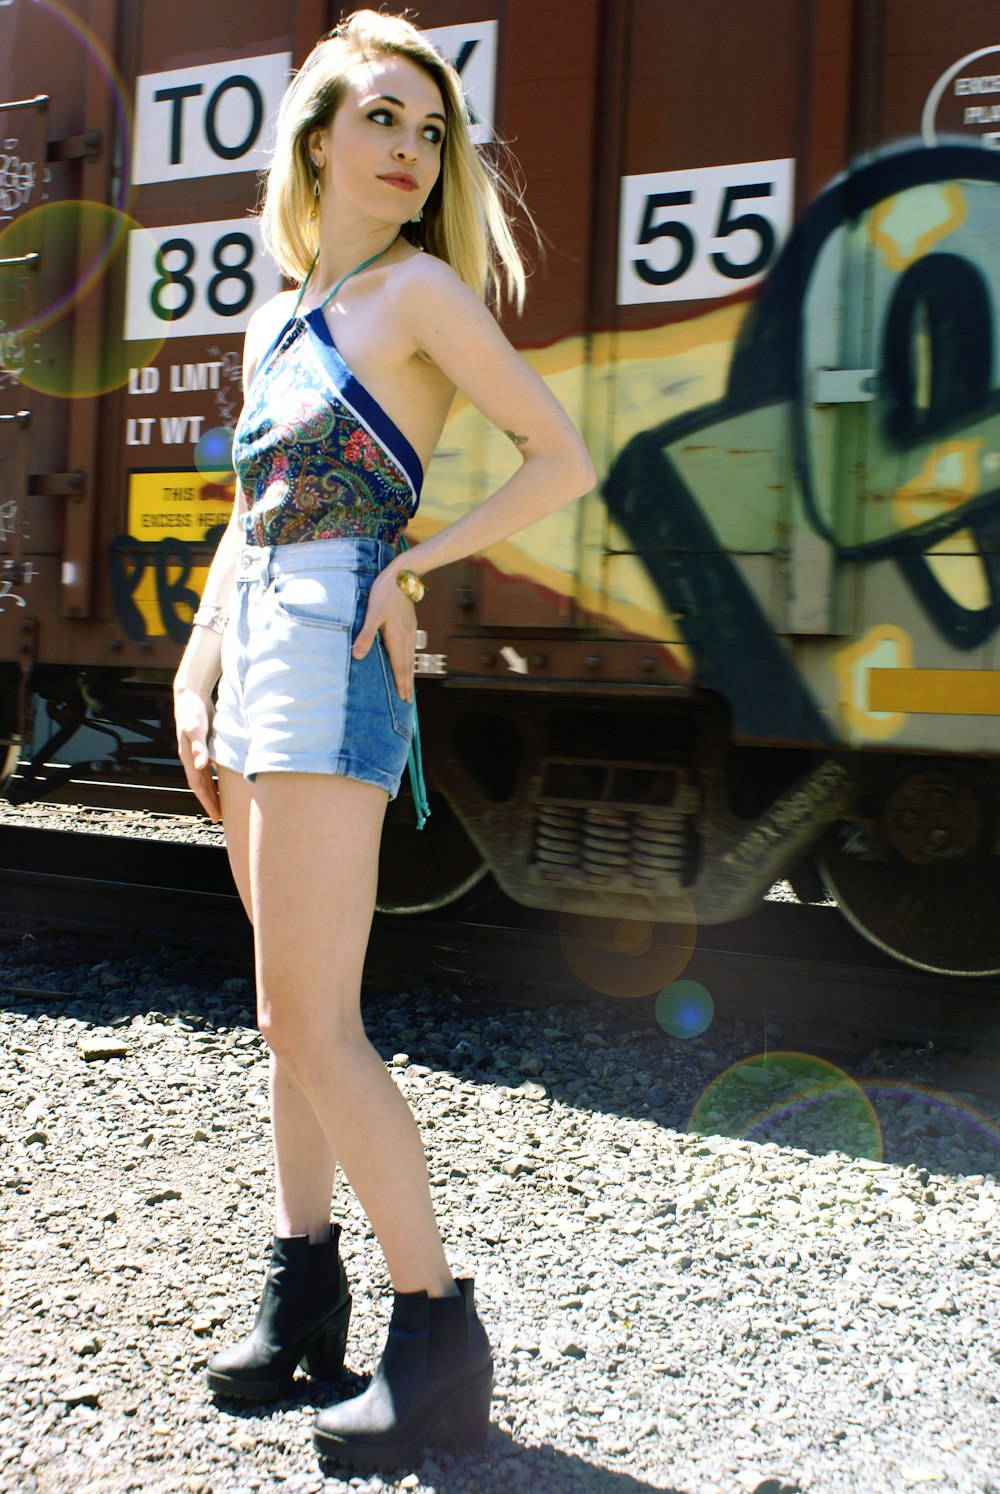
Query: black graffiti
[171, 562]
[936, 354]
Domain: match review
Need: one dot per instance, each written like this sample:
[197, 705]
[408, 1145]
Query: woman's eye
[433, 134]
[380, 116]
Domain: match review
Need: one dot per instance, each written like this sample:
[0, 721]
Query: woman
[379, 206]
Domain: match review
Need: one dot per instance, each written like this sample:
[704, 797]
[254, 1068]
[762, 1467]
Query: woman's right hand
[193, 718]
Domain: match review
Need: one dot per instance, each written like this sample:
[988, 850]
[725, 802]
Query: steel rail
[796, 975]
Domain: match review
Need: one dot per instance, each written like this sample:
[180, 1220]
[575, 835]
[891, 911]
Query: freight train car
[766, 289]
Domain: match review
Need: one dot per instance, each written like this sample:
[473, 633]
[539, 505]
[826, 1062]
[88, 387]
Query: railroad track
[796, 971]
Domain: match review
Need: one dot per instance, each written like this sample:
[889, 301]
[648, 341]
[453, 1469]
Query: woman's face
[382, 152]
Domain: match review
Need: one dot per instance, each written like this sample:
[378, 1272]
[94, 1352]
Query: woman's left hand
[392, 613]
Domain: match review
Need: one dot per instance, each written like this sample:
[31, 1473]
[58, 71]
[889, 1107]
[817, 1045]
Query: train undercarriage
[627, 807]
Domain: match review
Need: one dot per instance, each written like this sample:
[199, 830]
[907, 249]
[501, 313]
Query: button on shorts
[292, 698]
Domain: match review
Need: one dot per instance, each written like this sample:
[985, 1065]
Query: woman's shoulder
[423, 271]
[424, 289]
[271, 317]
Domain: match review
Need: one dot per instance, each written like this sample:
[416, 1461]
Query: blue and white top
[316, 455]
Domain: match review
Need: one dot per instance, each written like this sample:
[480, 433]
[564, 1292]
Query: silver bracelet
[210, 617]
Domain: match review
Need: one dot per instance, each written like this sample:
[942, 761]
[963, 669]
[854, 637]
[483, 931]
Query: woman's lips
[401, 180]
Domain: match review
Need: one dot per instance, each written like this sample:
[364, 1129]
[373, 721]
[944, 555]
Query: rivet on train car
[146, 644]
[593, 661]
[539, 661]
[115, 645]
[647, 665]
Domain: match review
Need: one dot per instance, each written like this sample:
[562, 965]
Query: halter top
[316, 455]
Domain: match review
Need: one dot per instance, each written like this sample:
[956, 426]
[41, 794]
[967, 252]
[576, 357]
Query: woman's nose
[406, 150]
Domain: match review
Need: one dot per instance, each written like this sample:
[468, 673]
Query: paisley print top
[316, 456]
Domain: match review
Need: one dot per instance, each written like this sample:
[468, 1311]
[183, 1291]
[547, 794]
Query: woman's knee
[306, 1047]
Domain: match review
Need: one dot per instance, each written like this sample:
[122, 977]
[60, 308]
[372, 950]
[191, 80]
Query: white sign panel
[196, 279]
[207, 120]
[472, 49]
[693, 235]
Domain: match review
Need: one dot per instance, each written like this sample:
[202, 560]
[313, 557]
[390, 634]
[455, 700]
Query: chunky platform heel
[432, 1388]
[463, 1424]
[325, 1354]
[303, 1318]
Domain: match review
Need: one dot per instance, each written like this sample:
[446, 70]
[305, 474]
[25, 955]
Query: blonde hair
[467, 217]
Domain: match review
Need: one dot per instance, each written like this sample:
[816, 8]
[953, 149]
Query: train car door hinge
[57, 484]
[75, 147]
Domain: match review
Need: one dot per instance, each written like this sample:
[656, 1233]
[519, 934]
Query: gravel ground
[800, 1295]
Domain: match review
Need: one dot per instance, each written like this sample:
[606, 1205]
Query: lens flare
[684, 1009]
[627, 957]
[798, 1102]
[793, 1099]
[213, 455]
[98, 57]
[914, 1114]
[56, 335]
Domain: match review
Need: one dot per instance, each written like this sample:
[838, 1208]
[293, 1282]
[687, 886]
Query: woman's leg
[304, 1165]
[313, 857]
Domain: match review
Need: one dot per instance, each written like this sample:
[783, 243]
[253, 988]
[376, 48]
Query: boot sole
[249, 1390]
[322, 1358]
[460, 1425]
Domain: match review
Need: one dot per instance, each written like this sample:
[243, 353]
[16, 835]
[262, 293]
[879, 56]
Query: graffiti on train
[17, 179]
[858, 432]
[155, 584]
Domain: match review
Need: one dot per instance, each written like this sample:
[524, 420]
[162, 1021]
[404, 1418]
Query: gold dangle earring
[314, 215]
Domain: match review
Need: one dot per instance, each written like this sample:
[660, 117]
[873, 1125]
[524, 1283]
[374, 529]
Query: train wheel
[913, 876]
[421, 870]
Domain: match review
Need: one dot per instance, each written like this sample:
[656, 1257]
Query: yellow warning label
[179, 505]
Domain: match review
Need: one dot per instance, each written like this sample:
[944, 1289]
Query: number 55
[700, 212]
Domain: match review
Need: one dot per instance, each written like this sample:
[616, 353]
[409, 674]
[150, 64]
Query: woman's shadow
[504, 1463]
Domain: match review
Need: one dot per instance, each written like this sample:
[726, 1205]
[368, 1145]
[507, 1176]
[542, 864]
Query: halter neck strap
[342, 281]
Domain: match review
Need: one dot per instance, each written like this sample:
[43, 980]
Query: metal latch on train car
[425, 663]
[843, 386]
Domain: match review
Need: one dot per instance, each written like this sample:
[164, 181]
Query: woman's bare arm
[200, 666]
[452, 328]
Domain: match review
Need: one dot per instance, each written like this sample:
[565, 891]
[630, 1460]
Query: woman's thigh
[236, 796]
[313, 857]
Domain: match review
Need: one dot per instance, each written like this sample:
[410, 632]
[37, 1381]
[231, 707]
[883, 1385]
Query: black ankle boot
[302, 1318]
[432, 1387]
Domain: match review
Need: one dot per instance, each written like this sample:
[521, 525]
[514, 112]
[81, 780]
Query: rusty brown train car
[767, 290]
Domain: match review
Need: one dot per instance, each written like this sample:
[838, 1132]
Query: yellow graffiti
[908, 226]
[882, 647]
[614, 385]
[949, 477]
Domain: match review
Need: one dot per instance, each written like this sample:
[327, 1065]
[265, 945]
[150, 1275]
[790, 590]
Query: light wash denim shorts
[292, 699]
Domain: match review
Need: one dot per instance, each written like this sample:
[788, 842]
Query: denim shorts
[292, 698]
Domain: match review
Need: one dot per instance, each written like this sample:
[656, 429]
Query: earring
[418, 216]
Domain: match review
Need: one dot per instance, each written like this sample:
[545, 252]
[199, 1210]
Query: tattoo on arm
[518, 441]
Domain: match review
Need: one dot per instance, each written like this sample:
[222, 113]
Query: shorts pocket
[320, 599]
[401, 710]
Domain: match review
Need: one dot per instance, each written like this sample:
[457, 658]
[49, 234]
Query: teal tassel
[415, 761]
